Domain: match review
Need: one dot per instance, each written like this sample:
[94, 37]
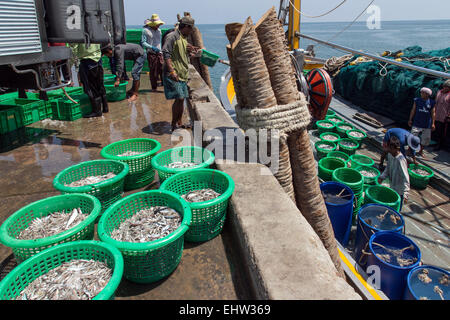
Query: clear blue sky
[226, 11]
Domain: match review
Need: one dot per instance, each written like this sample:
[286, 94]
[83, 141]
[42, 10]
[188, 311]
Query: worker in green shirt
[176, 51]
[91, 76]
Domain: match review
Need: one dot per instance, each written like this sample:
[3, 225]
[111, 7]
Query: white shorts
[423, 134]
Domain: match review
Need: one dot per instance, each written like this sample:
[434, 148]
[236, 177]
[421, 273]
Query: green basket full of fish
[330, 137]
[323, 148]
[81, 270]
[325, 126]
[182, 159]
[148, 228]
[343, 127]
[104, 179]
[357, 135]
[138, 154]
[334, 119]
[348, 146]
[49, 222]
[207, 192]
[370, 174]
[420, 176]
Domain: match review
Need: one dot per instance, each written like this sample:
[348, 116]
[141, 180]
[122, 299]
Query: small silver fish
[91, 180]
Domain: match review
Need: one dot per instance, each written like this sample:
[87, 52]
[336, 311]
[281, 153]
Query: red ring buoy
[320, 92]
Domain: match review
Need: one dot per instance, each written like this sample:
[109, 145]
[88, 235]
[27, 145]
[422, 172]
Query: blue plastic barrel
[341, 211]
[368, 224]
[393, 277]
[422, 287]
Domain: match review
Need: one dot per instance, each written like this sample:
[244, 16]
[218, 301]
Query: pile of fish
[201, 195]
[356, 134]
[335, 120]
[53, 224]
[421, 172]
[368, 173]
[148, 225]
[73, 280]
[345, 127]
[325, 146]
[348, 144]
[130, 154]
[330, 137]
[326, 125]
[181, 165]
[90, 180]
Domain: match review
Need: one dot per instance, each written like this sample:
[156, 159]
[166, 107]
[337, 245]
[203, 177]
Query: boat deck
[427, 213]
[207, 270]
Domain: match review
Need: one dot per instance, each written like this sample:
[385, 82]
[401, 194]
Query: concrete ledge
[282, 255]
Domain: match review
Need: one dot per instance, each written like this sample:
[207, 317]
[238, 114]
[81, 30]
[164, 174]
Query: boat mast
[294, 24]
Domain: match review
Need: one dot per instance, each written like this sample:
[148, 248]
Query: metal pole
[434, 73]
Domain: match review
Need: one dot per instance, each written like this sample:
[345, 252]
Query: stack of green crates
[10, 119]
[31, 110]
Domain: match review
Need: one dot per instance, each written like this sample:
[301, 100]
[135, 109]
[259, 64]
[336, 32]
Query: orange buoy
[320, 93]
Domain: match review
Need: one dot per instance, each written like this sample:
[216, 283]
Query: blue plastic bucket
[393, 277]
[368, 224]
[418, 288]
[340, 213]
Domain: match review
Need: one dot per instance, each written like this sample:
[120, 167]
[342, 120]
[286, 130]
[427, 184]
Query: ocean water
[393, 36]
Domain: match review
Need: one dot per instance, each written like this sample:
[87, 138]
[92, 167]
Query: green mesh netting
[387, 89]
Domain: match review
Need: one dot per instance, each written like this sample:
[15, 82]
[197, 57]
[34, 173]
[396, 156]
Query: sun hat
[154, 21]
[427, 91]
[414, 142]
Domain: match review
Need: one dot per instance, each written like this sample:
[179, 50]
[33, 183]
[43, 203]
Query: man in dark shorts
[129, 51]
[176, 51]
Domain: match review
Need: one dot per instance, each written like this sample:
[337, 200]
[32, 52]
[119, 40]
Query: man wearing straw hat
[176, 51]
[151, 42]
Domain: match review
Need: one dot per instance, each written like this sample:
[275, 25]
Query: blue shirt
[402, 135]
[422, 118]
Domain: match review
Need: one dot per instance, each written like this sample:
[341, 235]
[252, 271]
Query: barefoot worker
[129, 51]
[151, 42]
[176, 51]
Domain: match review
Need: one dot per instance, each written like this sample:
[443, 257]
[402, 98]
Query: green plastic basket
[203, 157]
[348, 150]
[19, 278]
[328, 165]
[342, 131]
[370, 180]
[359, 140]
[359, 160]
[109, 79]
[321, 152]
[21, 219]
[335, 136]
[358, 202]
[141, 171]
[151, 261]
[330, 113]
[208, 218]
[383, 195]
[340, 155]
[119, 93]
[322, 128]
[108, 191]
[334, 119]
[349, 177]
[418, 181]
[208, 58]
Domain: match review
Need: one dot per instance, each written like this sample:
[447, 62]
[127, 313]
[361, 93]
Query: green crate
[208, 218]
[31, 109]
[21, 219]
[141, 171]
[10, 119]
[65, 110]
[203, 157]
[208, 58]
[151, 261]
[108, 192]
[114, 93]
[20, 277]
